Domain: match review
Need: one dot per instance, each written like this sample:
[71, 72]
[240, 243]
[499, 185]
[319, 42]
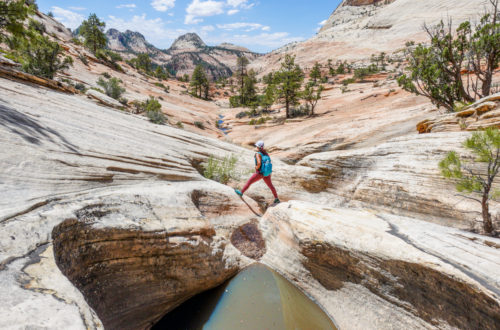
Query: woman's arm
[258, 157]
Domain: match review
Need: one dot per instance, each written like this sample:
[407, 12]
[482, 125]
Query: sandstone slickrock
[359, 28]
[371, 270]
[104, 99]
[114, 186]
[400, 175]
[481, 114]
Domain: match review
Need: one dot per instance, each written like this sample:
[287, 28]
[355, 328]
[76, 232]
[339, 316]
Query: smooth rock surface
[401, 176]
[371, 270]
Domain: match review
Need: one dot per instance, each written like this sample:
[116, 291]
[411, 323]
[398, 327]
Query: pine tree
[241, 65]
[312, 95]
[248, 92]
[288, 82]
[42, 57]
[477, 177]
[268, 98]
[93, 31]
[143, 62]
[199, 82]
[12, 16]
[315, 74]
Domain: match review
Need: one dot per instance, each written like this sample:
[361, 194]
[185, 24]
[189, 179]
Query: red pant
[256, 177]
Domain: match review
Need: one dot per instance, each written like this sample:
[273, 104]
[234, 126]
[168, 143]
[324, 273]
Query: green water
[257, 298]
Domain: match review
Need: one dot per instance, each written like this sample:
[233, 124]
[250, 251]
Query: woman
[263, 169]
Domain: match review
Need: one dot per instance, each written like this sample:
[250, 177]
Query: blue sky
[260, 25]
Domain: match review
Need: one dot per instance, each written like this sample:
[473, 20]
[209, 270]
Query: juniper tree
[476, 176]
[436, 70]
[92, 31]
[288, 81]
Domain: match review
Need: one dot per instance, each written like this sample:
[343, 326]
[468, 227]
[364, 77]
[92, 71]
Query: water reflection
[257, 298]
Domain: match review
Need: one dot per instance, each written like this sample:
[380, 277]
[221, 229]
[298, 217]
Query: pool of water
[257, 298]
[221, 122]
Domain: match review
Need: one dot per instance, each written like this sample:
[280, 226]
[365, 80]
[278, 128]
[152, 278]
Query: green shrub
[156, 117]
[241, 115]
[221, 170]
[98, 90]
[76, 41]
[83, 58]
[252, 122]
[123, 101]
[234, 101]
[180, 124]
[362, 73]
[153, 110]
[199, 124]
[301, 111]
[348, 81]
[106, 75]
[110, 58]
[81, 87]
[112, 87]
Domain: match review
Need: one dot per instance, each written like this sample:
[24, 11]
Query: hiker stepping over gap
[263, 170]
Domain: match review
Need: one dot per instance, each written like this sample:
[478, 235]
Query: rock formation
[373, 270]
[186, 52]
[107, 222]
[359, 28]
[481, 114]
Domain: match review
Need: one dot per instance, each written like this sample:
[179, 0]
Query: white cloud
[236, 3]
[199, 8]
[262, 41]
[240, 3]
[322, 22]
[233, 11]
[77, 8]
[208, 28]
[244, 26]
[163, 5]
[67, 17]
[130, 6]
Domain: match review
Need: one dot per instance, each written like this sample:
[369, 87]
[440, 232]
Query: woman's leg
[254, 178]
[269, 183]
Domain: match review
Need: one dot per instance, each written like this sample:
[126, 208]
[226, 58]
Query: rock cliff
[186, 52]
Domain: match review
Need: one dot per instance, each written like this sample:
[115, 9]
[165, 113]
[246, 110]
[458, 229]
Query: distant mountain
[187, 42]
[186, 52]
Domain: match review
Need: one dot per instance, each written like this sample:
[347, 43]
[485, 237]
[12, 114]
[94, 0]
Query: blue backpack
[266, 167]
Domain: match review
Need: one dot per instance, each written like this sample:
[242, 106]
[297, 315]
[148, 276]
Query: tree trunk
[486, 88]
[487, 225]
[287, 104]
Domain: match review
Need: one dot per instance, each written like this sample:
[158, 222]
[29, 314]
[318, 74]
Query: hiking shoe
[277, 201]
[239, 193]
